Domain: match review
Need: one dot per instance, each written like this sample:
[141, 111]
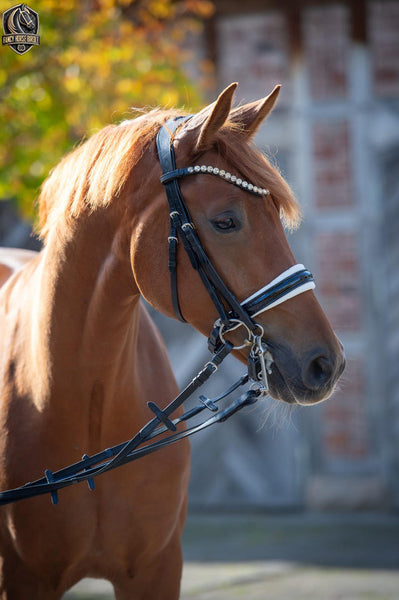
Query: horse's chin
[278, 390]
[281, 389]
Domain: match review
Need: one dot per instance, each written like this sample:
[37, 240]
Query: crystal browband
[199, 169]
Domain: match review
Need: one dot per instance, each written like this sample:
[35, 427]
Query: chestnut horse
[80, 356]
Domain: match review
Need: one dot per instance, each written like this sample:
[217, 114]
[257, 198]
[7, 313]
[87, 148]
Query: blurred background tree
[97, 59]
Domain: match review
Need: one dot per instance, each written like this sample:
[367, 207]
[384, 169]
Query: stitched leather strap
[225, 302]
[166, 157]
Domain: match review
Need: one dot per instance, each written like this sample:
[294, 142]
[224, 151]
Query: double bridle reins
[232, 314]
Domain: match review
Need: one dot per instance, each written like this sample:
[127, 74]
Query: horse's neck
[87, 308]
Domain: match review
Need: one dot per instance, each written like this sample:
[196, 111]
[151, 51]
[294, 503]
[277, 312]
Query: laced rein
[290, 283]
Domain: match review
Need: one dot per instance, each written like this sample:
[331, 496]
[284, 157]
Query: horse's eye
[226, 223]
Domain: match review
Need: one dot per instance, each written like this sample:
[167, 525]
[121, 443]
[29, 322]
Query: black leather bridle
[294, 281]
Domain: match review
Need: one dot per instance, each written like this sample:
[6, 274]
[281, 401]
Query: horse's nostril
[318, 372]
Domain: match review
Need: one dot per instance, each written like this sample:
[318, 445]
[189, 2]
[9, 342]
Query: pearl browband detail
[204, 169]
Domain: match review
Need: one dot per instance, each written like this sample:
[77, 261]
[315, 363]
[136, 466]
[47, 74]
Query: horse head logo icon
[20, 26]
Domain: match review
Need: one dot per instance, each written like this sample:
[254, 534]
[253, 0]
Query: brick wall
[339, 286]
[326, 46]
[336, 215]
[332, 164]
[254, 50]
[340, 104]
[383, 26]
[345, 427]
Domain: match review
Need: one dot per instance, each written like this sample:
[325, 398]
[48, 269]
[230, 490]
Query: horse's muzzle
[307, 381]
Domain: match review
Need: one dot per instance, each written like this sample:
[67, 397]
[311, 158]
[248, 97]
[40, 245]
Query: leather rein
[232, 314]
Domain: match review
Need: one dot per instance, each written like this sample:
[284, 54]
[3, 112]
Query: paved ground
[284, 557]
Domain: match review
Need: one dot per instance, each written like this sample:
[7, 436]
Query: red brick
[326, 34]
[253, 49]
[383, 25]
[332, 159]
[338, 279]
[345, 431]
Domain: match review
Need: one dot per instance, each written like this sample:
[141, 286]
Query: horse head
[243, 236]
[25, 18]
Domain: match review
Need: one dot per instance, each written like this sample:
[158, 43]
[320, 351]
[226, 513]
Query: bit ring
[224, 329]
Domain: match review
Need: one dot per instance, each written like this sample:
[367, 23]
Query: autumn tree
[96, 59]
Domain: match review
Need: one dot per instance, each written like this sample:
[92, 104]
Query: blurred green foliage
[96, 59]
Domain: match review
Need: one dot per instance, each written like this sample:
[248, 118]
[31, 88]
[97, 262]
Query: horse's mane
[94, 174]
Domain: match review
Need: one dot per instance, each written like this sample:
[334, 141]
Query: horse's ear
[250, 116]
[207, 123]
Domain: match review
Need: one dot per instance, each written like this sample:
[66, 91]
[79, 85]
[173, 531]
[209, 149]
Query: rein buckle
[260, 361]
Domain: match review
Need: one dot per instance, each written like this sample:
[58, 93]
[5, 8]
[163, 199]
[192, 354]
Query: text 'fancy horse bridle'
[232, 314]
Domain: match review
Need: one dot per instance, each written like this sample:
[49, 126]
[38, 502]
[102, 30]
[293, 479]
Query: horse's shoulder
[13, 259]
